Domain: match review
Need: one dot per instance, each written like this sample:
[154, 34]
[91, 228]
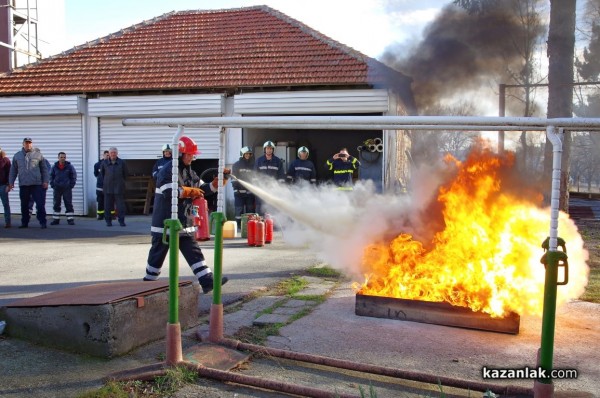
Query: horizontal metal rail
[375, 122]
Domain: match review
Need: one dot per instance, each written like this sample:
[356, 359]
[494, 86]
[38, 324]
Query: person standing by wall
[29, 167]
[302, 169]
[342, 164]
[99, 184]
[62, 180]
[114, 172]
[190, 188]
[268, 165]
[244, 200]
[4, 171]
[44, 191]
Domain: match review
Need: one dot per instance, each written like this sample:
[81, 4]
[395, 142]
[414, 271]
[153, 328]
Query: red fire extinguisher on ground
[251, 231]
[268, 228]
[200, 212]
[259, 239]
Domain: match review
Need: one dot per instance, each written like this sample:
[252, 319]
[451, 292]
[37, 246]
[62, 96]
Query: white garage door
[52, 134]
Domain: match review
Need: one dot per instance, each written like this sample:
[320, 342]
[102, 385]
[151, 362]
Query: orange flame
[487, 257]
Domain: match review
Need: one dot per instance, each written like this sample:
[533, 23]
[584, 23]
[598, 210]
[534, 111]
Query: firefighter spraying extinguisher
[200, 212]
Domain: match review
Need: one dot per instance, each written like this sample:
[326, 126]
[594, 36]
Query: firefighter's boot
[206, 282]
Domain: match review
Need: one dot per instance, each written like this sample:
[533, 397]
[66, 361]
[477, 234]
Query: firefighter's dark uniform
[162, 211]
[243, 199]
[99, 190]
[302, 170]
[342, 171]
[271, 167]
[160, 163]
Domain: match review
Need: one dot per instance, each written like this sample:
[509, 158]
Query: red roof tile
[202, 50]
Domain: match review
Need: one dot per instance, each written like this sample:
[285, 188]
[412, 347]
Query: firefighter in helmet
[269, 166]
[244, 199]
[190, 188]
[167, 153]
[302, 169]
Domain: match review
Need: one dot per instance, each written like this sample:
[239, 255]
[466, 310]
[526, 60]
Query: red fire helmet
[188, 145]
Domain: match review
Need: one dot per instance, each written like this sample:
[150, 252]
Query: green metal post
[174, 226]
[549, 315]
[219, 219]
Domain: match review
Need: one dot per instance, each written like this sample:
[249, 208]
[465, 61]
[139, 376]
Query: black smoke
[462, 52]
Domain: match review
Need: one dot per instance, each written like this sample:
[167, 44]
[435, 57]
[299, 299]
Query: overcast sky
[366, 25]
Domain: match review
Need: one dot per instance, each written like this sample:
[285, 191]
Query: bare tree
[588, 69]
[585, 160]
[526, 37]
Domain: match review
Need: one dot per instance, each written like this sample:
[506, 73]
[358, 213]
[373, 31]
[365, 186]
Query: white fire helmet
[268, 143]
[167, 147]
[303, 149]
[245, 150]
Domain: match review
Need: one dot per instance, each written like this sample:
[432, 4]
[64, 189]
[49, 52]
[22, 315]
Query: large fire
[487, 254]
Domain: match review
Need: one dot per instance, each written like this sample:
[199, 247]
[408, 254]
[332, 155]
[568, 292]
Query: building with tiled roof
[240, 62]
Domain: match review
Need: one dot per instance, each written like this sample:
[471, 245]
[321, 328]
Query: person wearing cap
[269, 166]
[29, 167]
[190, 187]
[114, 173]
[342, 164]
[244, 200]
[4, 171]
[62, 180]
[99, 189]
[167, 154]
[302, 169]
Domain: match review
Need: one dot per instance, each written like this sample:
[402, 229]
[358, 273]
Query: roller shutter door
[52, 134]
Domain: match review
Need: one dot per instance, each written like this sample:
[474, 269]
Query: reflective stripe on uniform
[163, 188]
[153, 270]
[160, 230]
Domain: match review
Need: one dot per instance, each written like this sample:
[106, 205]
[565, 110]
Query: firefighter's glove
[189, 192]
[226, 175]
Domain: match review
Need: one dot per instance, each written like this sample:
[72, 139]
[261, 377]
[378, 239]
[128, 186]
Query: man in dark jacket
[62, 180]
[114, 173]
[190, 188]
[29, 166]
[244, 200]
[99, 184]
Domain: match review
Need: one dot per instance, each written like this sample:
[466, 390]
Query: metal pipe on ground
[151, 372]
[379, 370]
[288, 388]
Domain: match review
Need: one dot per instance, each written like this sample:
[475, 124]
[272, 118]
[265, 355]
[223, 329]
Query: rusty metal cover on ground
[97, 294]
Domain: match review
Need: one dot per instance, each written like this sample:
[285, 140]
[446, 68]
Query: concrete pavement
[36, 261]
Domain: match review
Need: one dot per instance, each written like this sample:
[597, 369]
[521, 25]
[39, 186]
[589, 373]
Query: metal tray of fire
[438, 313]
